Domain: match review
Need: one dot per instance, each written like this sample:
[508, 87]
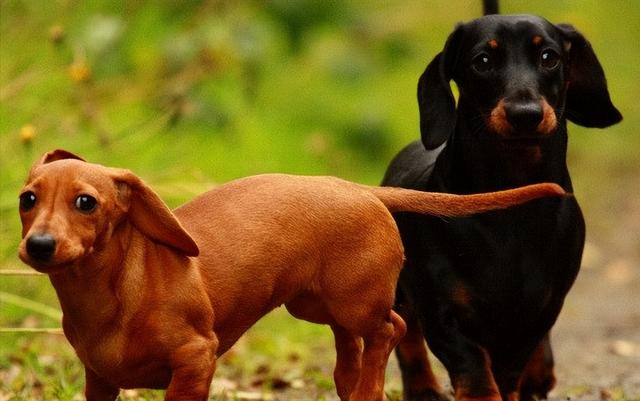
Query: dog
[485, 290]
[151, 297]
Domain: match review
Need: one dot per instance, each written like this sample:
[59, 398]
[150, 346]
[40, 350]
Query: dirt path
[597, 338]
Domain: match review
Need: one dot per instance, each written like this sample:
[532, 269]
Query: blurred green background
[189, 94]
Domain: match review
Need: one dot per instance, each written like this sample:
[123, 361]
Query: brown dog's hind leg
[359, 372]
[379, 341]
[311, 308]
[348, 346]
[348, 361]
[399, 330]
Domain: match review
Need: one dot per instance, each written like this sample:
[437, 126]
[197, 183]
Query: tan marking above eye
[493, 44]
[537, 40]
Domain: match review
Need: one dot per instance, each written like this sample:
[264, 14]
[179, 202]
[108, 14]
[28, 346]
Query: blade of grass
[36, 330]
[19, 272]
[31, 305]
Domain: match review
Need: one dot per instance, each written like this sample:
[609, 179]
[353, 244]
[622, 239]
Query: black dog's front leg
[524, 373]
[418, 380]
[538, 377]
[468, 363]
[525, 376]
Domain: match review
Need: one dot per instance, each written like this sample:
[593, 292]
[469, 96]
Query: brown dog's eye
[482, 63]
[86, 203]
[27, 201]
[549, 59]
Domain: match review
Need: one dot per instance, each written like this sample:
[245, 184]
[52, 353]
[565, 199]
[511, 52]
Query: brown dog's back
[301, 232]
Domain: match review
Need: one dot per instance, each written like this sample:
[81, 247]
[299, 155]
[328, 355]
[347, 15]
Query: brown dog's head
[70, 209]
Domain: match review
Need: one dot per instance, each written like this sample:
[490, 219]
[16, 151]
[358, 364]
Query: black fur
[487, 289]
[490, 7]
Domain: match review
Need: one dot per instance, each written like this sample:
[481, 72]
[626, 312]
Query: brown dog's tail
[448, 205]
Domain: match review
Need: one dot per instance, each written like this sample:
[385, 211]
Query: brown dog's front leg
[193, 366]
[97, 389]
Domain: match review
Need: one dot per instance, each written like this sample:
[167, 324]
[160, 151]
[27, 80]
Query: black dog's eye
[27, 201]
[549, 59]
[86, 203]
[482, 63]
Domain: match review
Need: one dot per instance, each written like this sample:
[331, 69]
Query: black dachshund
[485, 290]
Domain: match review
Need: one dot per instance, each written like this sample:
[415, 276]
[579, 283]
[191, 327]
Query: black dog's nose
[41, 247]
[524, 116]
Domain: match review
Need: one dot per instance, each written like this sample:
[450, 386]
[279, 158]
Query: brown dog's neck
[92, 286]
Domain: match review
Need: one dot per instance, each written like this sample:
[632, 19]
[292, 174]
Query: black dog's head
[520, 76]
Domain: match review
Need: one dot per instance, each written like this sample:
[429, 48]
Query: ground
[596, 341]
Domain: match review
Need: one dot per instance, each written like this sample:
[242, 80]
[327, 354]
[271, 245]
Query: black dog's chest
[506, 265]
[510, 266]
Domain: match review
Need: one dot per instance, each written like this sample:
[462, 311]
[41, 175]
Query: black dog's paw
[428, 395]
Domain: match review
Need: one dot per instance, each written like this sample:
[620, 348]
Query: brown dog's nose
[41, 247]
[524, 116]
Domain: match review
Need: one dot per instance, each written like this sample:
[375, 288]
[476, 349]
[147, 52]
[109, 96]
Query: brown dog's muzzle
[522, 119]
[41, 247]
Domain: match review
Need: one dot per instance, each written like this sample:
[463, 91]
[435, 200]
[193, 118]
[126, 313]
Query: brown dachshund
[152, 297]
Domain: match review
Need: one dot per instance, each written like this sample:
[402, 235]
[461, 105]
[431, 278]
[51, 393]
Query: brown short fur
[152, 297]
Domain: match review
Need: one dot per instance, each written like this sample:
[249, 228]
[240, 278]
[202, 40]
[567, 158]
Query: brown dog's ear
[149, 214]
[588, 101]
[435, 99]
[58, 154]
[52, 156]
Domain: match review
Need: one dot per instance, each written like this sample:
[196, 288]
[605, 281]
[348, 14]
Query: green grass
[279, 348]
[191, 94]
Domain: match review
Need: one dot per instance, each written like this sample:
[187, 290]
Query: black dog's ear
[588, 101]
[435, 99]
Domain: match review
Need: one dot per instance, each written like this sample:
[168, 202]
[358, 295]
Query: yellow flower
[27, 133]
[80, 71]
